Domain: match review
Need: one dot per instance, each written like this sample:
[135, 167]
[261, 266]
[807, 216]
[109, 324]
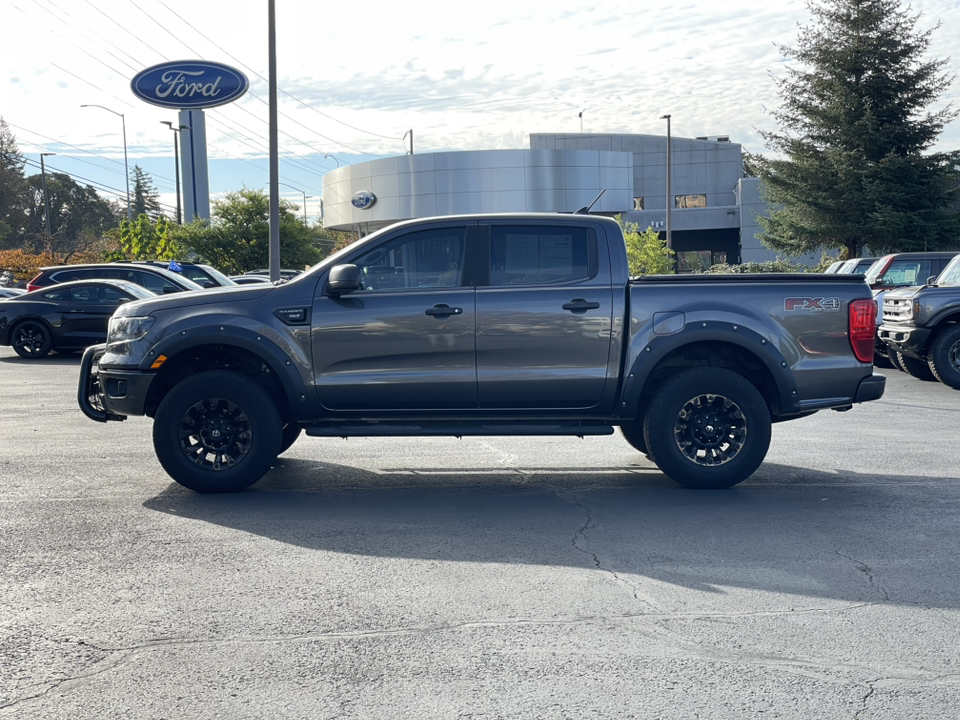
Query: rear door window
[530, 255]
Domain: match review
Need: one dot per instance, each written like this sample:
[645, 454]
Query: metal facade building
[714, 207]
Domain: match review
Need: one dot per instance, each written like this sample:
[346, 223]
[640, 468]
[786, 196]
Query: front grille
[897, 309]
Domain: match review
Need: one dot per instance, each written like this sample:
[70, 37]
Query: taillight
[863, 326]
[31, 286]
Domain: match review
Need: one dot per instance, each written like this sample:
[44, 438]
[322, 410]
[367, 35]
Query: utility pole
[46, 197]
[669, 186]
[176, 161]
[274, 255]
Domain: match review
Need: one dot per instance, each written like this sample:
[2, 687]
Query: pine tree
[13, 190]
[146, 199]
[855, 166]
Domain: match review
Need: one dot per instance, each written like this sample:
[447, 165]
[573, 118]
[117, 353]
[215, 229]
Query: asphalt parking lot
[479, 578]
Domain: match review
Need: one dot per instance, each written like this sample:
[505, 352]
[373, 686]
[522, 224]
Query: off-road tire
[915, 368]
[944, 356]
[217, 432]
[707, 428]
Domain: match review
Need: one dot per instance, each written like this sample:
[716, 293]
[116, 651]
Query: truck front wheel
[707, 428]
[217, 432]
[944, 356]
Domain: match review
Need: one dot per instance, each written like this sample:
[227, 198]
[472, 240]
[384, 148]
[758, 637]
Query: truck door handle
[443, 311]
[579, 305]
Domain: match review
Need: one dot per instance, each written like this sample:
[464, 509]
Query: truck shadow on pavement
[844, 536]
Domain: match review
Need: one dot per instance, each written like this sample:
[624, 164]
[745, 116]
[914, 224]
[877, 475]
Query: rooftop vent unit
[714, 138]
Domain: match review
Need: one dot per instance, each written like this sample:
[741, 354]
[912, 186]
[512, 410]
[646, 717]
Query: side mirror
[932, 280]
[343, 279]
[209, 284]
[170, 289]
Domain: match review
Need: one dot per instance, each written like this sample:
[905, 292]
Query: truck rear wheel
[217, 431]
[707, 428]
[944, 356]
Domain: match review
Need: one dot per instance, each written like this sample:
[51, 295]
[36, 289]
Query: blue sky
[354, 78]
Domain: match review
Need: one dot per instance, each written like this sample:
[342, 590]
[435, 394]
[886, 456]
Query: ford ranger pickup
[522, 324]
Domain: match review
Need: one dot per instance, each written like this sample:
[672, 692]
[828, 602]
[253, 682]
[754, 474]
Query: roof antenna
[586, 208]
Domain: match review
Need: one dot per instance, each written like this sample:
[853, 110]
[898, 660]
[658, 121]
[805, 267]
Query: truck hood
[193, 299]
[904, 292]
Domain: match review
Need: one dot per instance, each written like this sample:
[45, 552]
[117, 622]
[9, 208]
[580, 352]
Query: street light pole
[46, 197]
[126, 166]
[176, 159]
[337, 161]
[305, 196]
[669, 186]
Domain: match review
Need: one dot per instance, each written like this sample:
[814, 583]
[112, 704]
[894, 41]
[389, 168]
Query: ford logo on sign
[363, 199]
[189, 84]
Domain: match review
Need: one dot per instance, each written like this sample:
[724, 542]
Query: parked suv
[921, 325]
[155, 279]
[901, 270]
[203, 275]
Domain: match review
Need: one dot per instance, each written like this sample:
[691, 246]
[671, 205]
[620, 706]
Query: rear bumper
[908, 340]
[871, 388]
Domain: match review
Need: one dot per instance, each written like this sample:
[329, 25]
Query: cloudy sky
[355, 77]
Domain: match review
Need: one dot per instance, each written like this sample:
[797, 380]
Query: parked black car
[284, 274]
[203, 275]
[63, 317]
[155, 279]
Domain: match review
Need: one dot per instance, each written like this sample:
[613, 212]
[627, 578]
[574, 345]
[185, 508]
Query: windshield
[951, 273]
[218, 276]
[874, 272]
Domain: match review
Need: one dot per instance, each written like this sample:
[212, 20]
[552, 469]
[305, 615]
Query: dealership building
[714, 208]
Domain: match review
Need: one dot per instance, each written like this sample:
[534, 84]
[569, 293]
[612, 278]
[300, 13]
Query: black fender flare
[284, 365]
[646, 358]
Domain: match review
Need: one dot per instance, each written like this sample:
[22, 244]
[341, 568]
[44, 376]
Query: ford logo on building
[363, 199]
[189, 84]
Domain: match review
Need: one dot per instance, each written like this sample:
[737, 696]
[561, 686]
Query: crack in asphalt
[868, 572]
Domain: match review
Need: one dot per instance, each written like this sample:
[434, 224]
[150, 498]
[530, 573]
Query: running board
[453, 429]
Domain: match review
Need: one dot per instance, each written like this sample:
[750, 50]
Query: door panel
[544, 324]
[406, 340]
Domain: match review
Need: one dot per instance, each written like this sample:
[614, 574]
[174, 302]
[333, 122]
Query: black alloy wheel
[217, 431]
[31, 340]
[707, 428]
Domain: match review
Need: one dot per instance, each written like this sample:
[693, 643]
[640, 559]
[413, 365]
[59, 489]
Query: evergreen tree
[79, 217]
[855, 165]
[13, 190]
[146, 199]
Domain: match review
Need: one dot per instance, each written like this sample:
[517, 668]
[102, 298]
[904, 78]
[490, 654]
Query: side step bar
[455, 429]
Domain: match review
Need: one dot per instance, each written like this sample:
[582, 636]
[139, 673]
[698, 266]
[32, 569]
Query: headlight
[128, 328]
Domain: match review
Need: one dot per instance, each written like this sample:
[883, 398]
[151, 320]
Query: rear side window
[154, 283]
[531, 255]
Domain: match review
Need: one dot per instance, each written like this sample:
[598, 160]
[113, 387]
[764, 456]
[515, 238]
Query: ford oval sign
[363, 199]
[189, 84]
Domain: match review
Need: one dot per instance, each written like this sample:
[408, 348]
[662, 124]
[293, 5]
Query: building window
[690, 201]
[698, 260]
[638, 203]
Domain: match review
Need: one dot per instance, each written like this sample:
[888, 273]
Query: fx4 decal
[817, 304]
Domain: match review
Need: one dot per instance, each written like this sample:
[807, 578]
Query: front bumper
[106, 394]
[906, 339]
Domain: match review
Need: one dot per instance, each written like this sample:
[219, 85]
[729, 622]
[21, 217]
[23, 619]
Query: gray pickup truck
[922, 324]
[525, 324]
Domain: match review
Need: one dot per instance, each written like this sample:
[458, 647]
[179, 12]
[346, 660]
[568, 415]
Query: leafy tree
[768, 266]
[855, 167]
[144, 239]
[146, 199]
[13, 189]
[79, 217]
[647, 254]
[238, 236]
